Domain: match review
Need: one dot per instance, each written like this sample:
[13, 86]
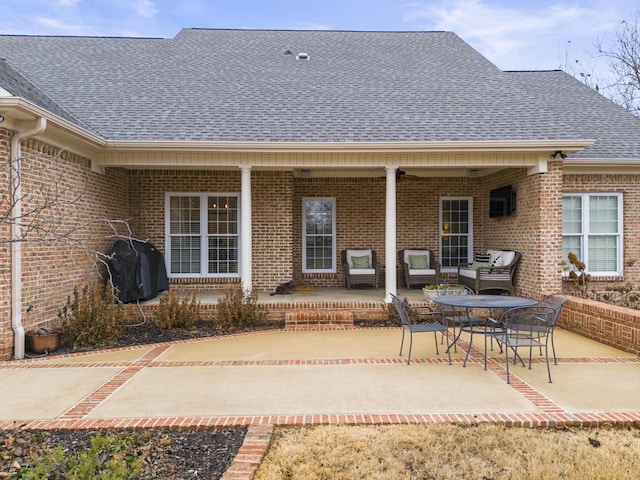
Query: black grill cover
[137, 270]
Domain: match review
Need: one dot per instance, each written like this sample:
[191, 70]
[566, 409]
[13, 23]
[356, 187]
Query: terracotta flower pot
[44, 340]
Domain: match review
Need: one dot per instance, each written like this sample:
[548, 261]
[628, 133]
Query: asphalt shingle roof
[248, 85]
[19, 86]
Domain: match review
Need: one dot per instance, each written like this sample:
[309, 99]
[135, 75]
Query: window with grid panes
[456, 242]
[203, 235]
[318, 236]
[592, 229]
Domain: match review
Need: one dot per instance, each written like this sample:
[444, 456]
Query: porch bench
[497, 274]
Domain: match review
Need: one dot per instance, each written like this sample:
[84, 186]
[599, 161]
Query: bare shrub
[92, 318]
[239, 310]
[177, 312]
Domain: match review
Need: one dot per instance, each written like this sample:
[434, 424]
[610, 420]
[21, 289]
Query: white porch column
[390, 235]
[246, 260]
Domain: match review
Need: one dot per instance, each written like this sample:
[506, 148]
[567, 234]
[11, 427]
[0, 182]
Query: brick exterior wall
[534, 229]
[51, 270]
[629, 186]
[271, 202]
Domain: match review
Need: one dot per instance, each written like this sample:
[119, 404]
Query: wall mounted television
[502, 201]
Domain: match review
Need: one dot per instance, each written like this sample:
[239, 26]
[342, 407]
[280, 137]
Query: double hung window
[202, 235]
[592, 229]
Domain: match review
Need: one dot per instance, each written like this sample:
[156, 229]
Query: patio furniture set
[493, 270]
[513, 323]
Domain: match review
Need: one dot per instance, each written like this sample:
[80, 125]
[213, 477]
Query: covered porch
[381, 196]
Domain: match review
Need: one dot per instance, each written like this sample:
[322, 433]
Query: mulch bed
[167, 454]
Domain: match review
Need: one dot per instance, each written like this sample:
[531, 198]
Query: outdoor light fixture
[1, 119]
[556, 153]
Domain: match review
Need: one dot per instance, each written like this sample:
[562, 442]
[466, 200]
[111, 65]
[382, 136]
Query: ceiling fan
[401, 174]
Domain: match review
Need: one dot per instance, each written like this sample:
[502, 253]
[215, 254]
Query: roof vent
[303, 56]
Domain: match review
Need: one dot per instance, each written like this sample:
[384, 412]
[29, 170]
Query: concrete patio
[326, 376]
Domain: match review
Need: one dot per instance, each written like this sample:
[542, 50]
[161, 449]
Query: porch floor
[317, 295]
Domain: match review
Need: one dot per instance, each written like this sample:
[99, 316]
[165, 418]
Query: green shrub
[177, 312]
[239, 310]
[110, 456]
[92, 318]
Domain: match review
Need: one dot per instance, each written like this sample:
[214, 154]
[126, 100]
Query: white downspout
[16, 234]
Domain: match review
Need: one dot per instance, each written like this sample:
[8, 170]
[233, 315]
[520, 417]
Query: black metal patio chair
[419, 320]
[555, 301]
[524, 327]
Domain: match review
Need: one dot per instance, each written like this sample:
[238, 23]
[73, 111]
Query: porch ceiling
[342, 159]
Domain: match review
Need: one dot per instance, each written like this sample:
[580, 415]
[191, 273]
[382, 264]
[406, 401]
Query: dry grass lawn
[436, 451]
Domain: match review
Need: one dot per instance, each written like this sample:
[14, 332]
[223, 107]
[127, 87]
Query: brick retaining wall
[609, 324]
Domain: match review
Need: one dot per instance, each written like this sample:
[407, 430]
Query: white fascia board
[601, 166]
[566, 146]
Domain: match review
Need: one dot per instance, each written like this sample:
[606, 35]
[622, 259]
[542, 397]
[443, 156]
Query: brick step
[318, 318]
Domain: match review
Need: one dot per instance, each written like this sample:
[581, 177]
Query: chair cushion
[501, 258]
[407, 253]
[495, 257]
[483, 257]
[467, 272]
[362, 271]
[357, 253]
[508, 257]
[362, 262]
[424, 271]
[418, 262]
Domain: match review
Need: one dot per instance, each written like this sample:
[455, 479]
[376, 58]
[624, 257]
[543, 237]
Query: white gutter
[543, 146]
[16, 234]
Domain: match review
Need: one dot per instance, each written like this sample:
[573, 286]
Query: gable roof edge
[18, 110]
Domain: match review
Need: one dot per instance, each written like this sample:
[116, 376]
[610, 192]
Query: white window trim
[470, 234]
[204, 235]
[585, 234]
[333, 268]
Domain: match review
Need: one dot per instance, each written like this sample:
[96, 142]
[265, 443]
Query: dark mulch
[146, 333]
[166, 454]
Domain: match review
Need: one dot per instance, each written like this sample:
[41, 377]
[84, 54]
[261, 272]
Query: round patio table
[490, 302]
[484, 301]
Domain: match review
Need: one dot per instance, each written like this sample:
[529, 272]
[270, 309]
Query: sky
[513, 34]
